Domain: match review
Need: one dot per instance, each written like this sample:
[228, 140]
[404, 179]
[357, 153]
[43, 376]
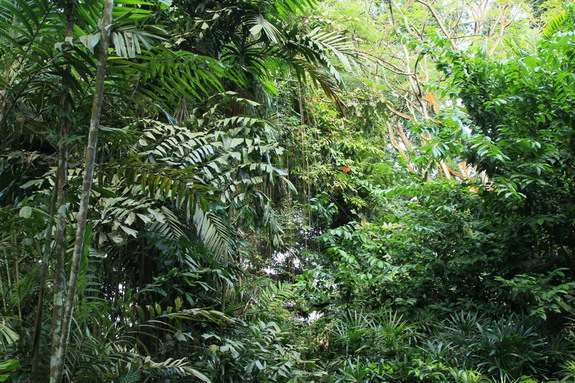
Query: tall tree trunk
[59, 353]
[60, 232]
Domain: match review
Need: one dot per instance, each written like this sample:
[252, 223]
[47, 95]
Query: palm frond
[181, 188]
[181, 73]
[129, 40]
[333, 43]
[330, 87]
[261, 24]
[287, 8]
[275, 295]
[213, 231]
[313, 54]
[7, 335]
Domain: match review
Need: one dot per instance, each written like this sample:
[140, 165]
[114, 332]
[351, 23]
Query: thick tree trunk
[59, 352]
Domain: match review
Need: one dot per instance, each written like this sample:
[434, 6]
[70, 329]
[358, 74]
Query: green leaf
[129, 231]
[25, 212]
[130, 377]
[90, 41]
[7, 366]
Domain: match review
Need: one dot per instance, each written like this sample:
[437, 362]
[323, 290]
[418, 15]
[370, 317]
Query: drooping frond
[181, 188]
[315, 54]
[332, 43]
[261, 24]
[166, 75]
[232, 163]
[319, 77]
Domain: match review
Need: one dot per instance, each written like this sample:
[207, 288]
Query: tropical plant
[237, 224]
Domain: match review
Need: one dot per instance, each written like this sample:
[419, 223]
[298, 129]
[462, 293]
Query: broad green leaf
[25, 212]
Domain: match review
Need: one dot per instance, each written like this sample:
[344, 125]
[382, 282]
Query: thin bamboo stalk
[59, 355]
[2, 292]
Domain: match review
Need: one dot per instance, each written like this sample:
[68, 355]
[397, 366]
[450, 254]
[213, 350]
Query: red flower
[345, 169]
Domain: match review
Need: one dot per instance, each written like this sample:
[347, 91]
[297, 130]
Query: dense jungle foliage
[287, 191]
